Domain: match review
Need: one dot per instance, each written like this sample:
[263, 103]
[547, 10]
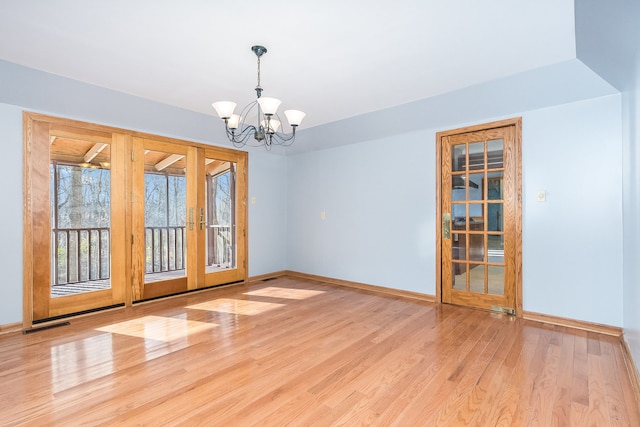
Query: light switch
[323, 215]
[541, 196]
[253, 200]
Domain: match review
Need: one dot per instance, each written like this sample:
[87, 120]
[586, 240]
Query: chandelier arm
[240, 138]
[284, 139]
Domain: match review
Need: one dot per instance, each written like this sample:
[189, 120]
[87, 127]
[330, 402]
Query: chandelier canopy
[265, 131]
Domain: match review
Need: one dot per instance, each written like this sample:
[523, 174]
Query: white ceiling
[333, 59]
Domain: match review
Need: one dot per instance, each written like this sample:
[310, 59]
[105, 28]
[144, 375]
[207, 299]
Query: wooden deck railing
[83, 254]
[80, 255]
[165, 249]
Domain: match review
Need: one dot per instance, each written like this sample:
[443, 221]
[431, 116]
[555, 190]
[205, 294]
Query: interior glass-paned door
[478, 185]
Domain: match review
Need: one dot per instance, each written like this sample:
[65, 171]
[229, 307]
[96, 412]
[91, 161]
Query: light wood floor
[294, 352]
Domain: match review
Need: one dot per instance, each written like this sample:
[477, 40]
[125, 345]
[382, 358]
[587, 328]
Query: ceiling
[333, 59]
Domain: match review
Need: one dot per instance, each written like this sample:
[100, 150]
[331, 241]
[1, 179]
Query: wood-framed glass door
[480, 232]
[163, 233]
[73, 220]
[222, 215]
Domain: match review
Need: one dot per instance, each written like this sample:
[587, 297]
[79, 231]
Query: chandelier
[265, 130]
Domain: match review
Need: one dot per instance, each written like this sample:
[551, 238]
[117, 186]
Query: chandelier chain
[259, 87]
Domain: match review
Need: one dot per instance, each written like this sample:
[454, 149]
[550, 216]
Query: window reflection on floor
[158, 328]
[287, 293]
[236, 306]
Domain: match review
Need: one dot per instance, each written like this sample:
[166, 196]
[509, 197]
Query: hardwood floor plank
[597, 401]
[300, 352]
[561, 414]
[580, 385]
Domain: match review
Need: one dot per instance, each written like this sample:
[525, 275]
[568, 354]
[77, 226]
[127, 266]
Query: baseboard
[10, 328]
[575, 324]
[363, 286]
[632, 369]
[261, 277]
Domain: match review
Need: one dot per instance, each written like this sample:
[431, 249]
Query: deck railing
[80, 255]
[165, 249]
[83, 254]
[220, 246]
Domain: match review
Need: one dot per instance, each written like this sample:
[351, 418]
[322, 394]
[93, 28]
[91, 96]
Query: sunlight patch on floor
[287, 293]
[158, 328]
[236, 306]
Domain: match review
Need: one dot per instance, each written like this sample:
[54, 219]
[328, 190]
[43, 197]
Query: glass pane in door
[220, 215]
[495, 153]
[165, 207]
[80, 197]
[495, 217]
[459, 247]
[495, 280]
[495, 185]
[476, 155]
[495, 248]
[459, 276]
[476, 278]
[476, 186]
[458, 157]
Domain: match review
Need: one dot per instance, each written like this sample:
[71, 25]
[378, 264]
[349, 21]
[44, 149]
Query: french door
[114, 217]
[188, 215]
[480, 232]
[162, 242]
[73, 220]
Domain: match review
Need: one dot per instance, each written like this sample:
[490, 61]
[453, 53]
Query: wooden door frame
[36, 122]
[517, 123]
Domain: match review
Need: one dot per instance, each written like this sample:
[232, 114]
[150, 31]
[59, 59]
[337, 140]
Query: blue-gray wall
[608, 41]
[379, 202]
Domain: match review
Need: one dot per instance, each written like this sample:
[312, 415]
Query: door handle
[446, 225]
[202, 221]
[190, 218]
